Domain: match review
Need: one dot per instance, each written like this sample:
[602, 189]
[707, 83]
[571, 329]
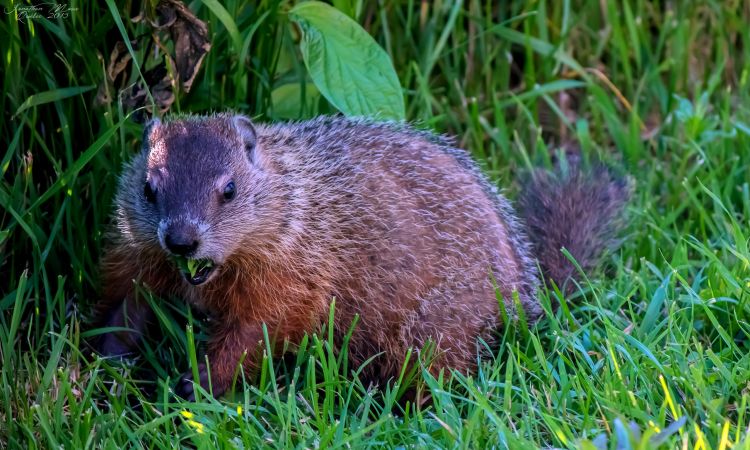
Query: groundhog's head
[198, 189]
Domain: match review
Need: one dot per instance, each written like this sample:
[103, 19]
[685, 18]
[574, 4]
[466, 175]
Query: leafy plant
[346, 64]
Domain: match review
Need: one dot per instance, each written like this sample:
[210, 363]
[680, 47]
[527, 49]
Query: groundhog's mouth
[195, 271]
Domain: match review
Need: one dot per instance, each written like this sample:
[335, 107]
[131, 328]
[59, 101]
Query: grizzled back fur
[576, 209]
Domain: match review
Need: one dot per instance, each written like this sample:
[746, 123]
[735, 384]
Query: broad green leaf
[287, 101]
[346, 64]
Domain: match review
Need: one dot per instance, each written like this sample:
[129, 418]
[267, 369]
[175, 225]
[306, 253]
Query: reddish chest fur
[289, 304]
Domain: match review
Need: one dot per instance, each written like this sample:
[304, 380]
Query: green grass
[660, 88]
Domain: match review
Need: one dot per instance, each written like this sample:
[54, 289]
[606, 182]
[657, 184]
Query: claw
[186, 385]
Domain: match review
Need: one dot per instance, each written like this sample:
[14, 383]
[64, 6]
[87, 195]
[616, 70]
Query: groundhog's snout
[181, 239]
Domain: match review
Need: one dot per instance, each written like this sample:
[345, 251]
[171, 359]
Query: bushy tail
[576, 209]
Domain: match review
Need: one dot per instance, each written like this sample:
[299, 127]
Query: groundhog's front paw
[186, 386]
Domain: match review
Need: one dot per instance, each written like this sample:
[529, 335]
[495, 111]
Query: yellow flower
[196, 425]
[239, 410]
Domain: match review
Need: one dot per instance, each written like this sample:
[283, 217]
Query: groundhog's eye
[229, 191]
[149, 192]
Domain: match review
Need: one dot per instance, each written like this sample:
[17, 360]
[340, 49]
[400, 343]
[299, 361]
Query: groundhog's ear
[246, 130]
[149, 129]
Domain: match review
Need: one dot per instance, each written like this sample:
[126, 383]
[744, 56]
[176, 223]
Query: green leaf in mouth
[192, 266]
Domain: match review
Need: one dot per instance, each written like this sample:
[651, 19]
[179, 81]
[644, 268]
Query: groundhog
[269, 223]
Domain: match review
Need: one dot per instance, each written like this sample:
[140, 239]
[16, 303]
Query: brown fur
[553, 203]
[397, 225]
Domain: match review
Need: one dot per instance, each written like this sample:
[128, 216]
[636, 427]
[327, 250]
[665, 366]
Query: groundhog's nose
[180, 243]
